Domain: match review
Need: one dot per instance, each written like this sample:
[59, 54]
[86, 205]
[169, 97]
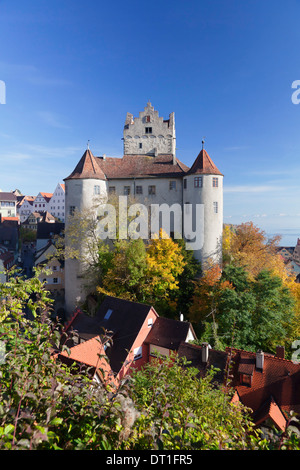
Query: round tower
[85, 188]
[203, 201]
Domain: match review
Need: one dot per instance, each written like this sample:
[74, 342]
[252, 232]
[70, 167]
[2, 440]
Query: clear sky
[73, 69]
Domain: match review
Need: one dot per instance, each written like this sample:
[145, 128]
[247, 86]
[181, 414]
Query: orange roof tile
[204, 165]
[87, 168]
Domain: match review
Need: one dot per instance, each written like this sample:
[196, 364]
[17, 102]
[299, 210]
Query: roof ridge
[269, 355]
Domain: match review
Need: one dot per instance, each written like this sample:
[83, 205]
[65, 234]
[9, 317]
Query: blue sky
[73, 69]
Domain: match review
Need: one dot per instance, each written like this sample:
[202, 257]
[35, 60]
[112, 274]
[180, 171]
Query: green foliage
[254, 313]
[180, 411]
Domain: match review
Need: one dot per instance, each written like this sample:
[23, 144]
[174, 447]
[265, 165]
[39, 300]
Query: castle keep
[153, 175]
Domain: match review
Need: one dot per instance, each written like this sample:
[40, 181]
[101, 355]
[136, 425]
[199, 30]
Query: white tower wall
[80, 196]
[212, 199]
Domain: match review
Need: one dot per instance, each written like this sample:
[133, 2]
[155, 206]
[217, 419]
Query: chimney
[204, 352]
[280, 352]
[260, 360]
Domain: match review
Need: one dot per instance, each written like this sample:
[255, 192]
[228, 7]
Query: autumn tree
[249, 247]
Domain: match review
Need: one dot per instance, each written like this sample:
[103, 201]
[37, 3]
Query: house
[129, 334]
[44, 259]
[267, 384]
[41, 201]
[24, 207]
[36, 217]
[57, 202]
[205, 358]
[8, 204]
[46, 232]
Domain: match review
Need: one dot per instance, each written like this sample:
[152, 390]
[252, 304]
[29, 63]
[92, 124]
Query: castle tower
[85, 187]
[149, 134]
[203, 185]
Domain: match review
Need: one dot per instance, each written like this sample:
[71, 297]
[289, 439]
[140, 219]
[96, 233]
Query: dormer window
[245, 379]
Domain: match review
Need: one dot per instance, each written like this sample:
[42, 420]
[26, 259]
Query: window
[72, 210]
[137, 353]
[112, 189]
[147, 118]
[126, 190]
[245, 379]
[172, 185]
[139, 190]
[198, 182]
[148, 130]
[108, 314]
[215, 182]
[55, 280]
[96, 189]
[216, 209]
[151, 190]
[185, 184]
[140, 146]
[150, 322]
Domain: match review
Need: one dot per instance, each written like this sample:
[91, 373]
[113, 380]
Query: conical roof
[87, 168]
[204, 165]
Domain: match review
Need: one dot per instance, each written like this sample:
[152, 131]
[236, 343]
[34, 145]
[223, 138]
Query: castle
[150, 172]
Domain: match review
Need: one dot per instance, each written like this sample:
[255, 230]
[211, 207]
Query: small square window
[172, 185]
[198, 182]
[112, 189]
[147, 119]
[148, 130]
[126, 190]
[139, 190]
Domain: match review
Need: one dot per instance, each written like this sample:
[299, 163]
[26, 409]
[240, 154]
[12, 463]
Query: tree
[257, 313]
[144, 272]
[180, 411]
[248, 247]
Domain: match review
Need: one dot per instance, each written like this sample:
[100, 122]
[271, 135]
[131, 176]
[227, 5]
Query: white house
[57, 202]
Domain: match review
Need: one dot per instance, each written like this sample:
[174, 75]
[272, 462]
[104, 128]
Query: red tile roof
[87, 168]
[279, 379]
[141, 166]
[204, 165]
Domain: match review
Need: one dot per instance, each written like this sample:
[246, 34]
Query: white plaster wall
[213, 223]
[163, 193]
[79, 194]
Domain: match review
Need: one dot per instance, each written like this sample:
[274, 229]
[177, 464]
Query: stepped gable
[135, 166]
[203, 165]
[87, 168]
